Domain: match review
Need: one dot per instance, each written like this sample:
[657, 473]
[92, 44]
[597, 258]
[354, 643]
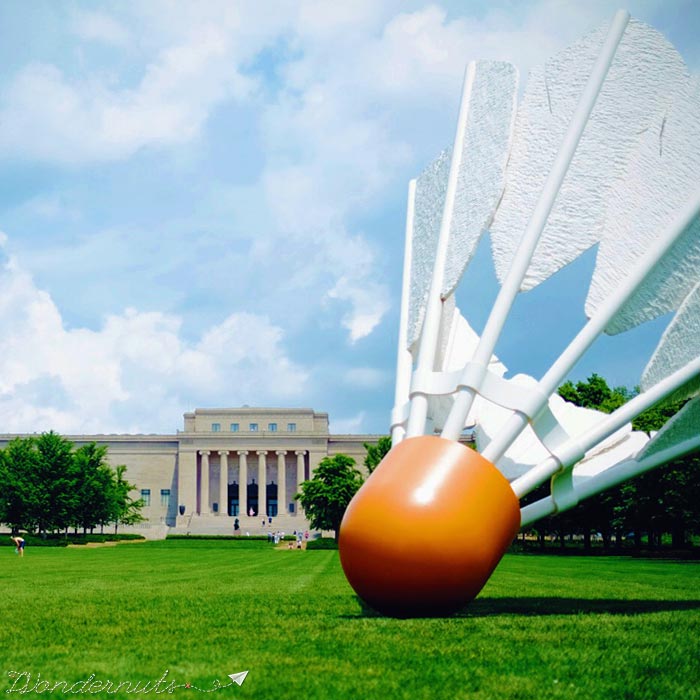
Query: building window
[146, 496]
[272, 427]
[291, 427]
[253, 427]
[165, 498]
[234, 427]
[216, 427]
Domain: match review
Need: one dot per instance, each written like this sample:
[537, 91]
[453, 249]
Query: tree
[19, 491]
[56, 479]
[655, 417]
[95, 486]
[325, 497]
[595, 393]
[665, 500]
[568, 392]
[39, 482]
[375, 453]
[45, 485]
[123, 509]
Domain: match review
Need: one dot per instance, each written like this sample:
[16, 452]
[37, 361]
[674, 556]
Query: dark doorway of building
[271, 492]
[234, 506]
[253, 498]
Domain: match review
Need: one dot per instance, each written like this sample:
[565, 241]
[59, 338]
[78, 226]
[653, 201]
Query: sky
[202, 204]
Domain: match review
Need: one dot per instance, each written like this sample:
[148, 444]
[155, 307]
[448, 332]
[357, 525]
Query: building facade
[226, 464]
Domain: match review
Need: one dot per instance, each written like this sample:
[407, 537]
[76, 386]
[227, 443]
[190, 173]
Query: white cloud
[50, 116]
[50, 206]
[332, 21]
[418, 56]
[366, 378]
[348, 426]
[333, 144]
[368, 303]
[135, 368]
[97, 26]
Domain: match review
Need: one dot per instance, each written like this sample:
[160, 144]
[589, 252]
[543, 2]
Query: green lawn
[544, 627]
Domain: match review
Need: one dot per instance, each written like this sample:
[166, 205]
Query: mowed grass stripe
[544, 627]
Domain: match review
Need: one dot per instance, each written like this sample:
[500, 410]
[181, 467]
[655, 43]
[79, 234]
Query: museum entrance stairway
[223, 525]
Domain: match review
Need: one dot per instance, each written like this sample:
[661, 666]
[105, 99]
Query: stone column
[204, 484]
[262, 478]
[300, 476]
[281, 482]
[243, 482]
[186, 485]
[223, 483]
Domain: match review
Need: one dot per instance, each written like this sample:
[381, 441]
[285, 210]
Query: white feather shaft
[614, 476]
[615, 299]
[574, 449]
[404, 359]
[418, 411]
[511, 285]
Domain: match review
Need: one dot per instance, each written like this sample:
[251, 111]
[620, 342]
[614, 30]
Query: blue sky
[202, 203]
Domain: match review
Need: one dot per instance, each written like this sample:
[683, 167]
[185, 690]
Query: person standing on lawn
[19, 543]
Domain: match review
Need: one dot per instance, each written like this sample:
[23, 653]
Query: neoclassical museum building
[226, 464]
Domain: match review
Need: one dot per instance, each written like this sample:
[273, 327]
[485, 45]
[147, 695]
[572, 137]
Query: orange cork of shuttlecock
[428, 527]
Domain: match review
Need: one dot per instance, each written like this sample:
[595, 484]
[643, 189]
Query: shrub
[322, 543]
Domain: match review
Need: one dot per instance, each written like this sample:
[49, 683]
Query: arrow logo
[238, 678]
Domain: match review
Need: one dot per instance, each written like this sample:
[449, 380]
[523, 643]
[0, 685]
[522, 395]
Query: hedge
[62, 540]
[322, 543]
[234, 538]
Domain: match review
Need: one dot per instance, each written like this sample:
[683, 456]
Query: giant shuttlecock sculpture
[602, 150]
